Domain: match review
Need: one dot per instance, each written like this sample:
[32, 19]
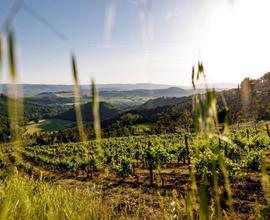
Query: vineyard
[164, 163]
[123, 156]
[133, 151]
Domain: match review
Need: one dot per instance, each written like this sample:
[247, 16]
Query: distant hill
[135, 86]
[120, 99]
[169, 110]
[49, 98]
[160, 102]
[34, 89]
[106, 112]
[168, 92]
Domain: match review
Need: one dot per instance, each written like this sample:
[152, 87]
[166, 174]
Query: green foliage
[264, 213]
[155, 155]
[130, 118]
[259, 142]
[124, 168]
[253, 160]
[151, 152]
[207, 162]
[118, 153]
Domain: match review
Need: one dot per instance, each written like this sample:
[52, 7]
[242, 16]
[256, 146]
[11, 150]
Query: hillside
[120, 99]
[169, 92]
[106, 112]
[32, 112]
[49, 98]
[248, 102]
[160, 102]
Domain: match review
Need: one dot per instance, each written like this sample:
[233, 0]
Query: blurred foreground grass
[25, 198]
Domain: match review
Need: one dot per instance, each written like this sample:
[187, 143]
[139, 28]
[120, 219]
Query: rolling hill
[120, 99]
[169, 92]
[34, 89]
[32, 112]
[49, 98]
[250, 101]
[106, 112]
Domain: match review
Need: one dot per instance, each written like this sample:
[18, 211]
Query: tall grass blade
[95, 110]
[13, 90]
[217, 191]
[204, 213]
[227, 183]
[189, 205]
[77, 99]
[206, 120]
[4, 207]
[11, 57]
[96, 118]
[7, 25]
[265, 180]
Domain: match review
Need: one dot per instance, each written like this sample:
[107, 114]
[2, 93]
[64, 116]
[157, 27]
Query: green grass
[24, 198]
[48, 125]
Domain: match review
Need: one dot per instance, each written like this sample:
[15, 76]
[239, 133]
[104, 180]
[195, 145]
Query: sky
[140, 41]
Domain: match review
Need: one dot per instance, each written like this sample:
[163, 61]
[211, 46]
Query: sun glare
[237, 41]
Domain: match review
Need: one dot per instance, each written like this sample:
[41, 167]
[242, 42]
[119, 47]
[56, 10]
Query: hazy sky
[135, 41]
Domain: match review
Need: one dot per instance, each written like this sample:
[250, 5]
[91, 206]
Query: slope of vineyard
[161, 161]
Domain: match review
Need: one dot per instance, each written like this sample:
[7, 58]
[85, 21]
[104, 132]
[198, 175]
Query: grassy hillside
[32, 112]
[48, 125]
